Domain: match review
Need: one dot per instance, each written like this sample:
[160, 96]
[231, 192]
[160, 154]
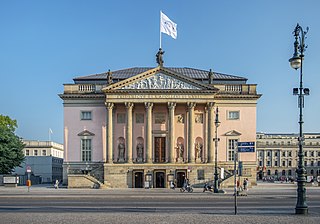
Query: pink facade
[157, 125]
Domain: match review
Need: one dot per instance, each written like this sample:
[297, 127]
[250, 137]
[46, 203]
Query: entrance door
[181, 175]
[160, 149]
[160, 179]
[138, 179]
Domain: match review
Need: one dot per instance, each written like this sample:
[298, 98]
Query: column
[149, 132]
[205, 145]
[109, 132]
[191, 151]
[171, 107]
[210, 132]
[129, 107]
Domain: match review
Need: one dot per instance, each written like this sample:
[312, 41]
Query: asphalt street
[264, 204]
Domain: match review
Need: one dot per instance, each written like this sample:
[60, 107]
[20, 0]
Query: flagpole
[160, 29]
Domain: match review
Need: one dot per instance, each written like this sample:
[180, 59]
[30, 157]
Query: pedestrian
[56, 185]
[245, 184]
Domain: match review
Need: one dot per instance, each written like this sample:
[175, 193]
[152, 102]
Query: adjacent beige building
[277, 155]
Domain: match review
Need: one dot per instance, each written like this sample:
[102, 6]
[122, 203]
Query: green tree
[11, 146]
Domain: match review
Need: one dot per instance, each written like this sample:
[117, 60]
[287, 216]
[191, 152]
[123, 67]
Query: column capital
[109, 106]
[191, 105]
[210, 105]
[148, 105]
[171, 105]
[129, 105]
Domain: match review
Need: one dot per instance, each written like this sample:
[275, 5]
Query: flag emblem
[167, 26]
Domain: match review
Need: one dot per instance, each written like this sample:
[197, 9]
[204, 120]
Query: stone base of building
[137, 175]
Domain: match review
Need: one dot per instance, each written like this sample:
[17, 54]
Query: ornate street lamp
[216, 140]
[296, 62]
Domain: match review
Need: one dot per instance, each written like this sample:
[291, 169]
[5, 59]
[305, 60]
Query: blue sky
[44, 44]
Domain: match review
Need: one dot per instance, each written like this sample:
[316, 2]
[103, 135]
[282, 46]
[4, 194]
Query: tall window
[231, 148]
[35, 152]
[86, 149]
[27, 152]
[44, 152]
[86, 115]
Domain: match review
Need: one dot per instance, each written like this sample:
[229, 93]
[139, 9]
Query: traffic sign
[245, 144]
[245, 149]
[28, 169]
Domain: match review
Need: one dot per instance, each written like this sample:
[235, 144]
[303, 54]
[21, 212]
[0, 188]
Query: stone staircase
[85, 181]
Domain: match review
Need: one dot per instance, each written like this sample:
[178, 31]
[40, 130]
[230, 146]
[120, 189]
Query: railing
[82, 88]
[238, 89]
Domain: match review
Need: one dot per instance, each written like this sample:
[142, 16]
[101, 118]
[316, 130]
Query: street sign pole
[235, 180]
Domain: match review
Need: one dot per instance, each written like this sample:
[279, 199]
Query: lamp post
[216, 139]
[296, 62]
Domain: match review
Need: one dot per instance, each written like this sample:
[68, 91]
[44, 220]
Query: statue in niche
[198, 149]
[121, 151]
[180, 151]
[139, 152]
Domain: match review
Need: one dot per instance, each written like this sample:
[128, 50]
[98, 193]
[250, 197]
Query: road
[262, 205]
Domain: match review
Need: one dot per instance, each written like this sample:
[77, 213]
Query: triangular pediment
[159, 78]
[232, 133]
[86, 133]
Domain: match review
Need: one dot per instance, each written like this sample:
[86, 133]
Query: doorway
[160, 179]
[160, 149]
[138, 179]
[181, 175]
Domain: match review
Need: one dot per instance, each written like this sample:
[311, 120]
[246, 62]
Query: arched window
[283, 172]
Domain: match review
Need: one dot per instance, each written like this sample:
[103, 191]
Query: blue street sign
[245, 144]
[246, 149]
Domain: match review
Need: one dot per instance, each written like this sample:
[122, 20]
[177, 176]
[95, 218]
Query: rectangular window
[35, 152]
[269, 153]
[283, 153]
[233, 115]
[289, 153]
[86, 115]
[200, 174]
[86, 149]
[276, 163]
[139, 118]
[283, 163]
[318, 163]
[44, 152]
[121, 118]
[260, 163]
[289, 163]
[232, 145]
[27, 152]
[268, 163]
[311, 163]
[276, 154]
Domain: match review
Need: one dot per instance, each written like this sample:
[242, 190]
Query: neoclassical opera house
[144, 127]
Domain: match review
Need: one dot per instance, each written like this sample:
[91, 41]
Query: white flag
[167, 26]
[50, 131]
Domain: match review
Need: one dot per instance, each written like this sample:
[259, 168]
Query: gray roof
[188, 72]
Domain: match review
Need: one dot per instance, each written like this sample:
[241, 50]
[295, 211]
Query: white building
[45, 158]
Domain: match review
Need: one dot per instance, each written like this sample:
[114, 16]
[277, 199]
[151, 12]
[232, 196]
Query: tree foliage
[11, 146]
